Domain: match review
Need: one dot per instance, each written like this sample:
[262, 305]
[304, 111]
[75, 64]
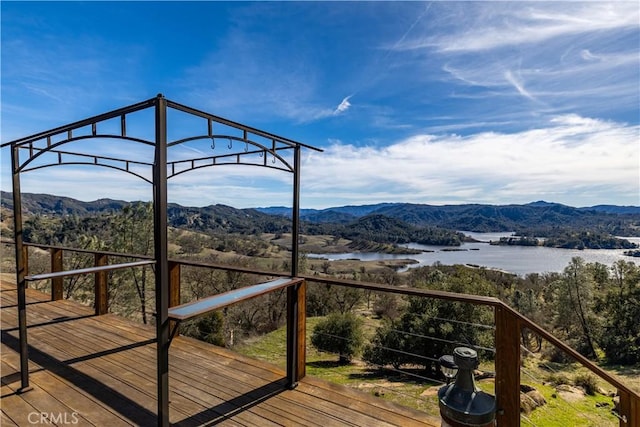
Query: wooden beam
[100, 285]
[174, 283]
[56, 281]
[629, 409]
[507, 368]
[206, 305]
[301, 354]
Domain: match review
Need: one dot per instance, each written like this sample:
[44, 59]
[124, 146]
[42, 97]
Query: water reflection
[520, 260]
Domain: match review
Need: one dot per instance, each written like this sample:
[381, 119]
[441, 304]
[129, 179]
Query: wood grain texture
[102, 370]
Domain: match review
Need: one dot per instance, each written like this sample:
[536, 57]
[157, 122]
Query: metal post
[162, 259]
[295, 214]
[20, 272]
[292, 292]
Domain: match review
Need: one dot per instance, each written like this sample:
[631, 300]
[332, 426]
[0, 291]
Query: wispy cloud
[344, 106]
[494, 25]
[553, 53]
[517, 83]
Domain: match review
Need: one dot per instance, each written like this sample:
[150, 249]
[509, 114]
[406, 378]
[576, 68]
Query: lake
[520, 260]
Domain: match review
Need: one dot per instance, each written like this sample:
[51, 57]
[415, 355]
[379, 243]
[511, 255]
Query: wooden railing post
[507, 367]
[302, 331]
[629, 409]
[100, 285]
[296, 333]
[56, 266]
[174, 289]
[174, 283]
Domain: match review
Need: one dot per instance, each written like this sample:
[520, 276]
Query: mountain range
[534, 217]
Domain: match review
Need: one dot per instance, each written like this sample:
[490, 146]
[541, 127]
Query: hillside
[537, 218]
[382, 223]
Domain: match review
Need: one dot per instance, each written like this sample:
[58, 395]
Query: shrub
[339, 333]
[588, 382]
[558, 379]
[208, 328]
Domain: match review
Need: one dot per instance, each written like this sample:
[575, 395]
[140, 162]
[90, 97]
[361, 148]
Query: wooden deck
[100, 370]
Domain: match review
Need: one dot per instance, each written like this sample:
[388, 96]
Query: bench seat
[208, 304]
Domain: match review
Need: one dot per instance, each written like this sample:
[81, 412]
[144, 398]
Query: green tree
[385, 347]
[339, 333]
[133, 234]
[429, 328]
[621, 338]
[573, 304]
[207, 328]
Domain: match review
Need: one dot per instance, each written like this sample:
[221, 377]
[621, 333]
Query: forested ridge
[389, 223]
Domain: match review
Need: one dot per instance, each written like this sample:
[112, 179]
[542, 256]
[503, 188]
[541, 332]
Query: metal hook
[213, 143]
[273, 160]
[230, 146]
[246, 146]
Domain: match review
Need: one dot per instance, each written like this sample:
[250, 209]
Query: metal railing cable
[461, 322]
[432, 338]
[394, 350]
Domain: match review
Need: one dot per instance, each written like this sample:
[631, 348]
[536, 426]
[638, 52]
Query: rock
[526, 404]
[537, 397]
[570, 393]
[602, 404]
[530, 399]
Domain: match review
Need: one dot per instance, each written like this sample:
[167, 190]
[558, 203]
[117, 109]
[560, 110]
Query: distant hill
[534, 218]
[537, 218]
[50, 204]
[634, 210]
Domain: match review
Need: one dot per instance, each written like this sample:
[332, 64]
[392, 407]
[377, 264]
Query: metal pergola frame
[252, 144]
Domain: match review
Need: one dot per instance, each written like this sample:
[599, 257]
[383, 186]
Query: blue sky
[438, 103]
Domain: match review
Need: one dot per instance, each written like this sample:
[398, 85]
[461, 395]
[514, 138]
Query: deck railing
[508, 325]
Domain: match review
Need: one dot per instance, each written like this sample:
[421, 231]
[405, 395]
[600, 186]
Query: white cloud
[508, 75]
[344, 106]
[567, 56]
[574, 160]
[494, 25]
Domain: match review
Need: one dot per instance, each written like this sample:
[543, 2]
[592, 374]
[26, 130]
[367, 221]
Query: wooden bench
[208, 304]
[296, 317]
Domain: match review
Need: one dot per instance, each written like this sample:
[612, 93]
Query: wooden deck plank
[15, 407]
[103, 369]
[5, 421]
[143, 379]
[46, 404]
